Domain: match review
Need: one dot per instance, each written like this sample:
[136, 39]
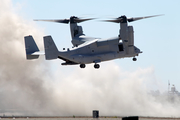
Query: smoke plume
[23, 83]
[35, 88]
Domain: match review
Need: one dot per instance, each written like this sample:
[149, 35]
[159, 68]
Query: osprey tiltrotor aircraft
[88, 49]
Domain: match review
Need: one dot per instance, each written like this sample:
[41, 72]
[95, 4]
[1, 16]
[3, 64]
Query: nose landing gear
[134, 59]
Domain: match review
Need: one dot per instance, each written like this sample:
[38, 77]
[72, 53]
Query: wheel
[82, 65]
[134, 59]
[96, 66]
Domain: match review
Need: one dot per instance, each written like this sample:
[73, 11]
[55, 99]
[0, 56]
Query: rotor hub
[72, 19]
[123, 19]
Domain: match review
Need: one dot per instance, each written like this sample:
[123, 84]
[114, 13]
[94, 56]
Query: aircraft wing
[88, 43]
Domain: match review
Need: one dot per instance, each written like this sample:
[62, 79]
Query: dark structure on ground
[95, 114]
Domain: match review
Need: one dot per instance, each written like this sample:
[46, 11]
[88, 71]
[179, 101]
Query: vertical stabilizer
[51, 51]
[31, 48]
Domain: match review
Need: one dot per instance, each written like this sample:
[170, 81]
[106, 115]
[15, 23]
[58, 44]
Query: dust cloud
[115, 92]
[31, 88]
[22, 83]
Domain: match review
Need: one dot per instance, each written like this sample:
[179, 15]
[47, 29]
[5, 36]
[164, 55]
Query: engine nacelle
[78, 30]
[130, 40]
[130, 36]
[75, 30]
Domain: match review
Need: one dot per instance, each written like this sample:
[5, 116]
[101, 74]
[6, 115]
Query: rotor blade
[115, 20]
[139, 18]
[78, 20]
[58, 20]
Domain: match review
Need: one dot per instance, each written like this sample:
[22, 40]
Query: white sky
[158, 37]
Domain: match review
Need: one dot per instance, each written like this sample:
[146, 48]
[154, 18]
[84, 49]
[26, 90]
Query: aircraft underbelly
[85, 59]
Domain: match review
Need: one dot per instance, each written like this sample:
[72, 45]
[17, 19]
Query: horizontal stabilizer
[32, 50]
[51, 51]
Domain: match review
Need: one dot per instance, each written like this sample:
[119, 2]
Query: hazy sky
[46, 85]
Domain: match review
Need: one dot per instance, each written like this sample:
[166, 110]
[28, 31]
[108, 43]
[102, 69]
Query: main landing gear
[82, 65]
[96, 66]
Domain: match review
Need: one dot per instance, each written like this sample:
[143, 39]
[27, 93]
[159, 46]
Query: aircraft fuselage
[97, 50]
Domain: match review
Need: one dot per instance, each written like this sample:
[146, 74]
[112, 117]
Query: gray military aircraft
[85, 49]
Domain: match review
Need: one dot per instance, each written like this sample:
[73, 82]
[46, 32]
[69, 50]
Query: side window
[121, 47]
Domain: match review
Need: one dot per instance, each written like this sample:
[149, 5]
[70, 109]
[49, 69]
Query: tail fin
[51, 51]
[31, 48]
